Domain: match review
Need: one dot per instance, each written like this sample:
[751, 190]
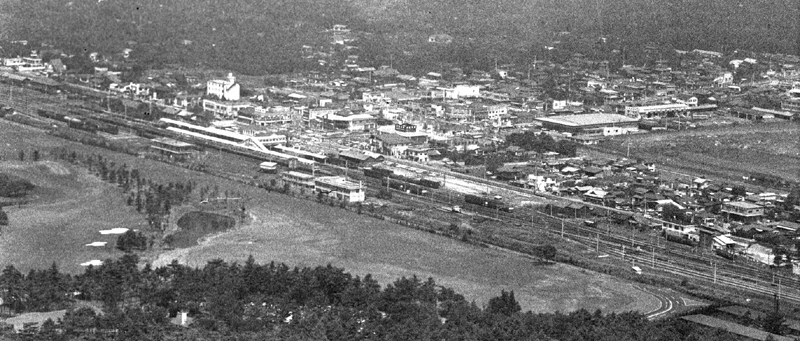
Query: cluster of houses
[366, 111]
[759, 226]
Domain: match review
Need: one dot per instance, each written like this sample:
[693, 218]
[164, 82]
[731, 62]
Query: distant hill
[265, 36]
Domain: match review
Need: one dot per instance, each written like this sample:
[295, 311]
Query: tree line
[272, 301]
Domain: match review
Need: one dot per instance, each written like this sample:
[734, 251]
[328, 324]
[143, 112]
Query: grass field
[730, 152]
[67, 210]
[74, 206]
[302, 233]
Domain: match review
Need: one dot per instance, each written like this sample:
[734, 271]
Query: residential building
[225, 89]
[741, 210]
[340, 188]
[298, 179]
[392, 144]
[760, 253]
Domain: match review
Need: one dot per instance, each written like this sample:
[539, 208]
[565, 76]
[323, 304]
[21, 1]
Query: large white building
[340, 188]
[226, 89]
[456, 92]
[655, 111]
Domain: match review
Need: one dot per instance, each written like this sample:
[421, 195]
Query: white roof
[94, 262]
[117, 230]
[97, 244]
[723, 240]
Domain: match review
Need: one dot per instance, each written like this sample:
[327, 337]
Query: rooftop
[339, 181]
[743, 205]
[587, 119]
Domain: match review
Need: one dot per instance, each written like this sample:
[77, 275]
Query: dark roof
[592, 170]
[393, 139]
[354, 155]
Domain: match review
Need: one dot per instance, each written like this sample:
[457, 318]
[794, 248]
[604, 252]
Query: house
[541, 183]
[418, 153]
[595, 195]
[392, 144]
[760, 253]
[787, 226]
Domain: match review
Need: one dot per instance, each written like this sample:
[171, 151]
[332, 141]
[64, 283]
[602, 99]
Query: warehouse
[591, 124]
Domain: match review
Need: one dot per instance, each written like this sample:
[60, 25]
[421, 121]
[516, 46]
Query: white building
[456, 92]
[226, 89]
[340, 188]
[224, 109]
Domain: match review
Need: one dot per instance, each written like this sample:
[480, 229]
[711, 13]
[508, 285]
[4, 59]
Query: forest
[250, 301]
[264, 37]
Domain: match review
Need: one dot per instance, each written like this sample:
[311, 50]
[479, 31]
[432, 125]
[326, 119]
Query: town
[553, 137]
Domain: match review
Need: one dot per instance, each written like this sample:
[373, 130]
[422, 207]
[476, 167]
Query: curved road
[671, 302]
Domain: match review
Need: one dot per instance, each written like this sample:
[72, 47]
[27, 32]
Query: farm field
[284, 229]
[729, 152]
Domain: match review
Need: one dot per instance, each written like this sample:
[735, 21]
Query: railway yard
[510, 217]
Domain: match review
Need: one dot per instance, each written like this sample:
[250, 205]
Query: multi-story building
[488, 112]
[226, 89]
[224, 108]
[355, 122]
[340, 188]
[742, 210]
[656, 111]
[298, 179]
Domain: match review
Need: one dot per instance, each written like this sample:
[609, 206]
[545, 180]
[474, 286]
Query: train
[382, 173]
[682, 238]
[78, 122]
[492, 203]
[404, 186]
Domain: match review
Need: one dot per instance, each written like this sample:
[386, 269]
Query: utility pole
[715, 273]
[562, 228]
[597, 242]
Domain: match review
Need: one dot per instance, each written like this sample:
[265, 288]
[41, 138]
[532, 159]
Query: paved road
[670, 301]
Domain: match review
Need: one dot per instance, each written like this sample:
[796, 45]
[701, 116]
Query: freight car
[492, 203]
[378, 173]
[404, 186]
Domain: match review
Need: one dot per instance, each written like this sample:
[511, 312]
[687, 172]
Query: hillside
[258, 37]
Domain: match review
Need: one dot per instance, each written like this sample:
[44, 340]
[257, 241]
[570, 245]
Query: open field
[67, 209]
[289, 230]
[303, 233]
[729, 152]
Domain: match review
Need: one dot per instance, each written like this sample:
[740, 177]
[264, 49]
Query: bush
[545, 251]
[130, 241]
[11, 186]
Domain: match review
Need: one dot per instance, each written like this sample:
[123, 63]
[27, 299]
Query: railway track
[682, 264]
[669, 257]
